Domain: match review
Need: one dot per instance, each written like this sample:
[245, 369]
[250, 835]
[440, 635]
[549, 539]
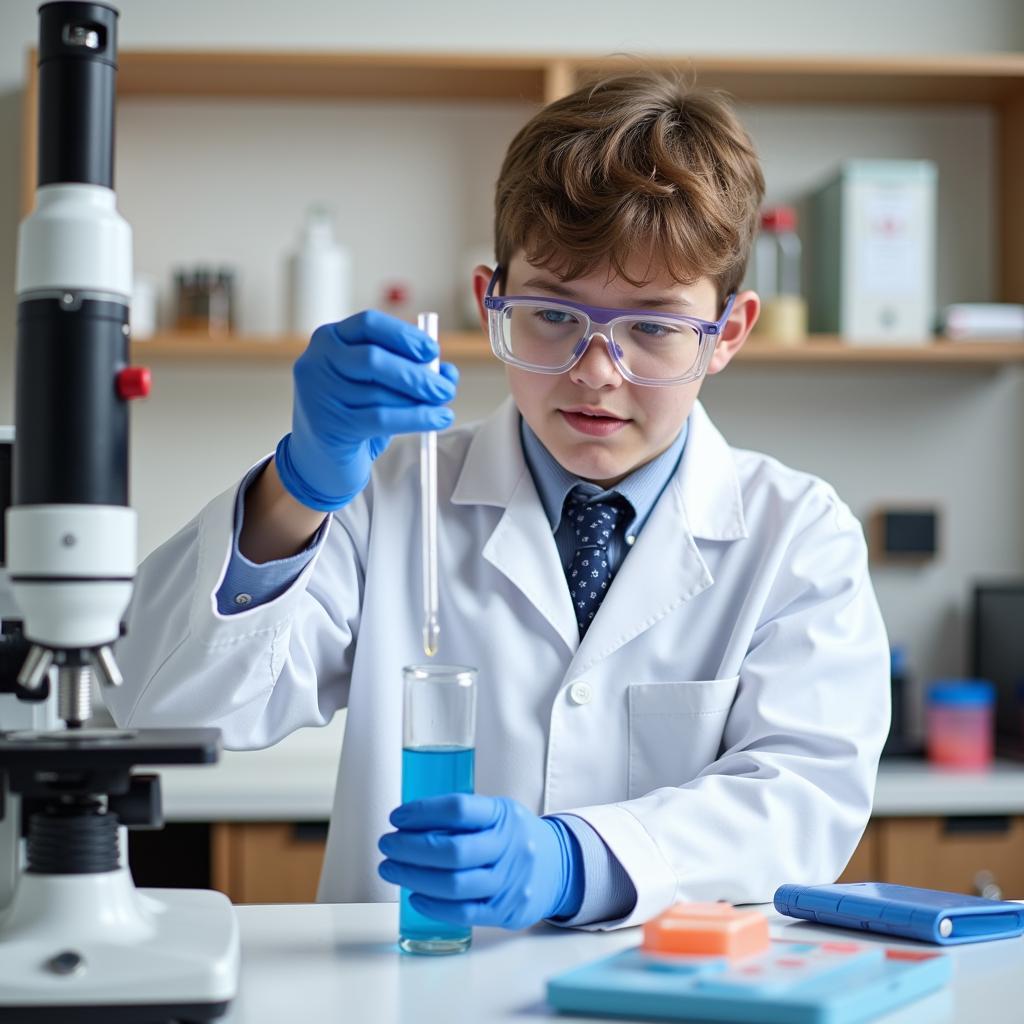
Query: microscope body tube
[77, 85]
[70, 531]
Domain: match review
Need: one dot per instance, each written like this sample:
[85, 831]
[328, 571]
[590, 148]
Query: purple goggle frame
[600, 316]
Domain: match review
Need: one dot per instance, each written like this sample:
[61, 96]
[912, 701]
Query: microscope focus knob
[134, 382]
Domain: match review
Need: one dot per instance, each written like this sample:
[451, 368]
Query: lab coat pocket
[675, 730]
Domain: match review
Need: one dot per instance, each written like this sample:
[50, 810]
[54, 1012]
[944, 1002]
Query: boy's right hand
[358, 383]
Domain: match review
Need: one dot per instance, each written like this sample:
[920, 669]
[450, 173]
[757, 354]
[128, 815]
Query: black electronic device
[997, 654]
[910, 533]
[899, 742]
[904, 534]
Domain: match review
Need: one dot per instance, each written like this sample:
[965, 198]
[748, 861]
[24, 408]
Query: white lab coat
[736, 675]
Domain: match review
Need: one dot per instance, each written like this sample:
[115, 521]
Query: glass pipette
[428, 512]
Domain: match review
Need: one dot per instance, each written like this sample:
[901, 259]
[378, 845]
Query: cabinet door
[863, 866]
[268, 862]
[959, 854]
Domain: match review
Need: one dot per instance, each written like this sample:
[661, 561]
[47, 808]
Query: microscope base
[77, 948]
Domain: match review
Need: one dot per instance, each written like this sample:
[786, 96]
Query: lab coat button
[580, 693]
[243, 599]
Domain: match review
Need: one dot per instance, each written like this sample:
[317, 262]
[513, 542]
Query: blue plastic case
[791, 983]
[929, 915]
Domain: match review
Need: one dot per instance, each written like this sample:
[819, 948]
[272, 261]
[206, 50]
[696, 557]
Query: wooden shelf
[472, 347]
[467, 346]
[966, 78]
[357, 76]
[828, 350]
[240, 348]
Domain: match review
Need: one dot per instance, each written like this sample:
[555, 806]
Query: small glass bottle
[184, 301]
[776, 277]
[438, 739]
[204, 301]
[201, 300]
[222, 302]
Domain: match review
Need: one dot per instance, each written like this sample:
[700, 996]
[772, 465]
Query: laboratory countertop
[294, 781]
[340, 962]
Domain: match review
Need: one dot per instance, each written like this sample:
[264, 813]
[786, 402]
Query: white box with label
[873, 261]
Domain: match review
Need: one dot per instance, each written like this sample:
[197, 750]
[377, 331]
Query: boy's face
[596, 424]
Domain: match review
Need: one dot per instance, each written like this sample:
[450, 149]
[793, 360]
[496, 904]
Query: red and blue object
[945, 918]
[712, 962]
[959, 722]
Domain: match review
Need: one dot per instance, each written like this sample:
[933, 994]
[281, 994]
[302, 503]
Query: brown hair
[638, 164]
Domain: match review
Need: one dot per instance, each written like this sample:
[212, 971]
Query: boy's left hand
[479, 860]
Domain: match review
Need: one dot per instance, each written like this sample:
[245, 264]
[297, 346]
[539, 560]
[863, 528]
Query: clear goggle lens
[549, 337]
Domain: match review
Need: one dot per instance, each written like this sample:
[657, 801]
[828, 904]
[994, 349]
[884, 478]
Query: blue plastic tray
[793, 983]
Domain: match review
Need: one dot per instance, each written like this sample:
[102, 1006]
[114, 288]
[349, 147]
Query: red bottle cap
[134, 382]
[778, 218]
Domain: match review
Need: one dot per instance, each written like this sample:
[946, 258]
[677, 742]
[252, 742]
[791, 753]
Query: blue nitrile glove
[480, 860]
[359, 382]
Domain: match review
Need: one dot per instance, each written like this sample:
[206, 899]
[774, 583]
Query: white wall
[540, 26]
[411, 188]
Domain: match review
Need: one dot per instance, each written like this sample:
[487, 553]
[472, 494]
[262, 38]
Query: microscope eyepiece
[77, 74]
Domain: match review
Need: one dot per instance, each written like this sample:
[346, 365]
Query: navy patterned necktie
[590, 573]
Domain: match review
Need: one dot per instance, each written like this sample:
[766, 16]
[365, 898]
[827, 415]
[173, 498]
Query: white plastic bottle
[319, 276]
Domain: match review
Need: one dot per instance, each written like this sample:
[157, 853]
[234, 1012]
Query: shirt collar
[641, 488]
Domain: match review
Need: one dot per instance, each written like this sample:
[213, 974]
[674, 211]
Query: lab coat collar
[713, 504]
[494, 465]
[665, 568]
[521, 546]
[711, 495]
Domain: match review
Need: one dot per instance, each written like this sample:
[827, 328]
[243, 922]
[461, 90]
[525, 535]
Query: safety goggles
[550, 336]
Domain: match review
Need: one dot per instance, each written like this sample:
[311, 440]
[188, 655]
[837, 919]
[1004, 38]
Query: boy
[682, 664]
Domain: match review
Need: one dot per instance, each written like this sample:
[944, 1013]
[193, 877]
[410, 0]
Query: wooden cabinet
[958, 854]
[863, 866]
[267, 862]
[280, 862]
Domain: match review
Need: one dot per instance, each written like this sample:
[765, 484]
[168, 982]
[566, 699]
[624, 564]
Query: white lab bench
[331, 962]
[326, 963]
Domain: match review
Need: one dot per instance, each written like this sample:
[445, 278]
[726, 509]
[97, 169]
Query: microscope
[78, 941]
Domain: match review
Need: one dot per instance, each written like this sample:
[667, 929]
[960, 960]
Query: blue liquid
[433, 771]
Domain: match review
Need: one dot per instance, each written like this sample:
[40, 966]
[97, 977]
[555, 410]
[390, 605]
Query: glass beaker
[438, 737]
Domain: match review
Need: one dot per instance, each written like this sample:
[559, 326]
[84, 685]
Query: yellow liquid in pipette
[430, 634]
